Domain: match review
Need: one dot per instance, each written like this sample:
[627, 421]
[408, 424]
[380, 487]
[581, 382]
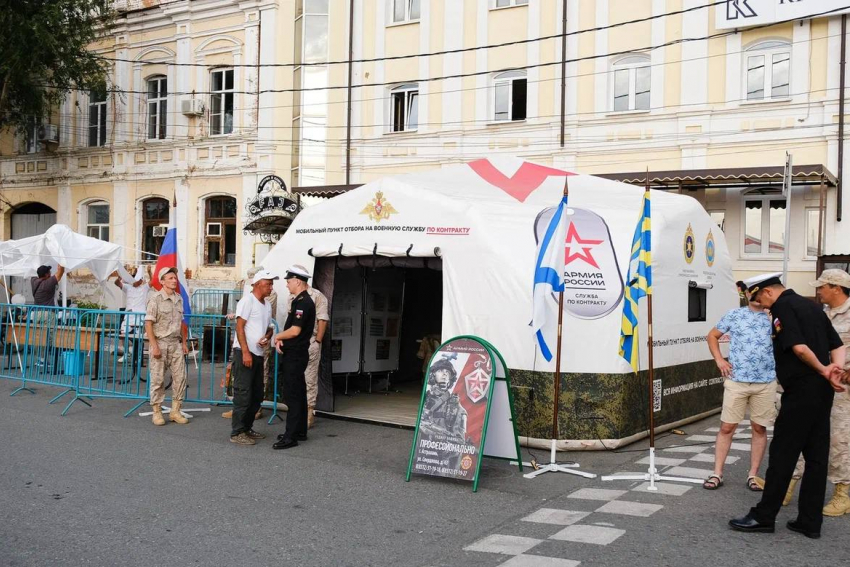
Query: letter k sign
[742, 8]
[523, 183]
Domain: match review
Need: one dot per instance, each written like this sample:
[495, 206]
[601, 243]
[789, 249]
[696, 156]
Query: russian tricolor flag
[169, 258]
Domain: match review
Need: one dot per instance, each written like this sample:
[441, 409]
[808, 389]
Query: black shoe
[795, 526]
[750, 524]
[297, 436]
[285, 444]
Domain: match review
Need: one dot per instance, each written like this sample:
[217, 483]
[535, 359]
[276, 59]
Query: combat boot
[840, 503]
[311, 418]
[789, 494]
[157, 417]
[175, 415]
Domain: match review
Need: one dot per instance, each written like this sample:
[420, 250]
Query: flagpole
[552, 465]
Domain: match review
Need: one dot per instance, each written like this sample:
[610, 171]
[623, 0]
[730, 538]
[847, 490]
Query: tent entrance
[381, 310]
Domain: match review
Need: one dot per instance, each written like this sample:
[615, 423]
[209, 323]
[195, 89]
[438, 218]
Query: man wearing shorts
[750, 382]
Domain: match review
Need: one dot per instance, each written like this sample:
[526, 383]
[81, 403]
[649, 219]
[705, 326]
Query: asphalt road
[93, 488]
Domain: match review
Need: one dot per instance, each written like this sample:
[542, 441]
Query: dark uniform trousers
[801, 427]
[292, 366]
[247, 392]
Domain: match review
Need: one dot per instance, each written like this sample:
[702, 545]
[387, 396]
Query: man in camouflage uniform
[833, 290]
[442, 413]
[167, 345]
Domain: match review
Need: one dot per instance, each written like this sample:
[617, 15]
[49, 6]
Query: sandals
[713, 482]
[755, 484]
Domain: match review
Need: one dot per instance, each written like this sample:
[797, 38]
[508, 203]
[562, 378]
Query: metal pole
[563, 69]
[789, 176]
[558, 346]
[820, 217]
[350, 72]
[651, 373]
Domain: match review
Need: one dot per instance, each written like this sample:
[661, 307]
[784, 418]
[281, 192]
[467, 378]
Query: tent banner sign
[455, 411]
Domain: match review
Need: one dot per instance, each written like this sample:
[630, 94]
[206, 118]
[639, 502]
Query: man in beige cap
[833, 290]
[311, 375]
[164, 329]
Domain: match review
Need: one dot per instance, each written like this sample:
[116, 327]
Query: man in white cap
[253, 334]
[164, 329]
[293, 343]
[311, 375]
[809, 356]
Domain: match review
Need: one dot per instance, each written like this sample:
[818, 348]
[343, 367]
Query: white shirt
[137, 298]
[258, 318]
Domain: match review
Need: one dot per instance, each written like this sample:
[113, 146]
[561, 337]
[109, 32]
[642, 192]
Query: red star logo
[477, 383]
[585, 245]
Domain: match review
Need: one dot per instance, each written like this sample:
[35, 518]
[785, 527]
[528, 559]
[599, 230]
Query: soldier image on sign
[442, 414]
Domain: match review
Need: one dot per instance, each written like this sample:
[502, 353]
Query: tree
[45, 53]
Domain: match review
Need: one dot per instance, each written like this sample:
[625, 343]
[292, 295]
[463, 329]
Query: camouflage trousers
[311, 375]
[172, 359]
[839, 442]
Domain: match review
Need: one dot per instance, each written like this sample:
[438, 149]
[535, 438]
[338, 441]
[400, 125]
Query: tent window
[154, 226]
[696, 304]
[97, 220]
[220, 232]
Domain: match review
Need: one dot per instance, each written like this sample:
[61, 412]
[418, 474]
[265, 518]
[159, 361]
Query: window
[506, 3]
[154, 226]
[719, 217]
[221, 102]
[405, 10]
[813, 223]
[509, 96]
[220, 231]
[97, 118]
[31, 139]
[764, 223]
[97, 220]
[630, 84]
[405, 107]
[767, 70]
[157, 108]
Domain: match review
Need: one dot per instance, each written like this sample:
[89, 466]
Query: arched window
[405, 107]
[767, 70]
[509, 96]
[630, 82]
[96, 218]
[220, 231]
[157, 107]
[154, 226]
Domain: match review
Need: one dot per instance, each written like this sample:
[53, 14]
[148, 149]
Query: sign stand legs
[553, 466]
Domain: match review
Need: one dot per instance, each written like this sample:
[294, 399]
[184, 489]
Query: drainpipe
[563, 68]
[350, 71]
[841, 75]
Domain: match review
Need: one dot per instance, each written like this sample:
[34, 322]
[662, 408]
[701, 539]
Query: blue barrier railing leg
[77, 397]
[135, 407]
[23, 388]
[56, 399]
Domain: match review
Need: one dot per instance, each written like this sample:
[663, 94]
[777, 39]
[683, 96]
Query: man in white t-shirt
[253, 332]
[136, 295]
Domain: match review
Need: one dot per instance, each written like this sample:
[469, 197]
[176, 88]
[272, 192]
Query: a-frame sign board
[466, 412]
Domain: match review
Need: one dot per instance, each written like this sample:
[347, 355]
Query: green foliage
[89, 305]
[44, 53]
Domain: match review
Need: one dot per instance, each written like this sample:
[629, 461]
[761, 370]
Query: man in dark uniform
[809, 354]
[293, 344]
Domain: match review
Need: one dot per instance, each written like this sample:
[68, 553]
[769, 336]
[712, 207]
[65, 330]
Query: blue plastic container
[74, 361]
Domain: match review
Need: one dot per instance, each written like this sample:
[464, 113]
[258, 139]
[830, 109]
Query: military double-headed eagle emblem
[378, 209]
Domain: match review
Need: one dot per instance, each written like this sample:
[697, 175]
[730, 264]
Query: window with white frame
[157, 107]
[767, 71]
[509, 96]
[506, 3]
[405, 107]
[764, 223]
[814, 224]
[220, 231]
[97, 220]
[97, 118]
[405, 10]
[221, 101]
[630, 82]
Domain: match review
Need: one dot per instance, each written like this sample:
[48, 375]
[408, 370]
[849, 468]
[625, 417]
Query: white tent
[483, 219]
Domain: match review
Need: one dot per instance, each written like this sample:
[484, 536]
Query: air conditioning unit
[159, 231]
[213, 229]
[48, 133]
[192, 107]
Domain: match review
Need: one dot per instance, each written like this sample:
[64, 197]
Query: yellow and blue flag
[638, 284]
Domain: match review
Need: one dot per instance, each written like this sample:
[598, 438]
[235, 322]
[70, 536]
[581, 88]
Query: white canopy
[484, 218]
[61, 246]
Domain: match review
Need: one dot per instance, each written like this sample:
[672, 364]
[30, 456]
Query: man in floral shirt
[750, 383]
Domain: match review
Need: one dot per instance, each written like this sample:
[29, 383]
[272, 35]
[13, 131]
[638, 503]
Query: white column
[248, 110]
[600, 65]
[65, 205]
[380, 110]
[694, 85]
[452, 65]
[118, 215]
[357, 94]
[122, 122]
[483, 96]
[656, 93]
[138, 131]
[249, 187]
[800, 52]
[424, 65]
[572, 67]
[179, 126]
[532, 104]
[180, 215]
[734, 56]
